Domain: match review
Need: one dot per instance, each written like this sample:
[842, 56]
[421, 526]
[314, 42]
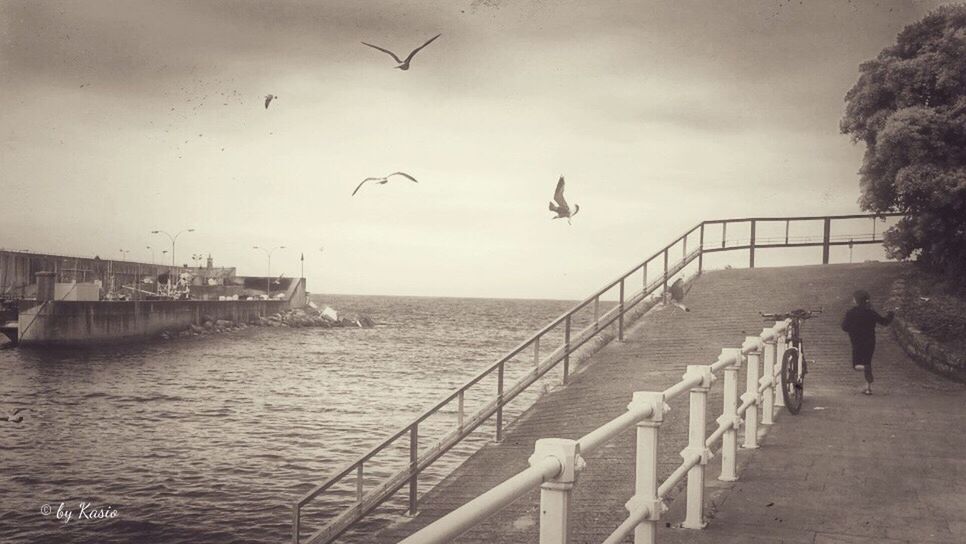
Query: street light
[172, 238]
[268, 278]
[154, 259]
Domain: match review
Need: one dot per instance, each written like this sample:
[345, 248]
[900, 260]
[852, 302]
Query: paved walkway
[857, 469]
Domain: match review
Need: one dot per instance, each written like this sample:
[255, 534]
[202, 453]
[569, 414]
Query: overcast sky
[120, 117]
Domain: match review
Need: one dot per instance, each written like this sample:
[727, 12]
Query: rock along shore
[307, 316]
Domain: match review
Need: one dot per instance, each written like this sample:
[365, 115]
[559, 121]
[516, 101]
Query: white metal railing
[557, 462]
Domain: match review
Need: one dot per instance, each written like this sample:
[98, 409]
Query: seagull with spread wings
[13, 417]
[384, 180]
[562, 209]
[268, 99]
[403, 64]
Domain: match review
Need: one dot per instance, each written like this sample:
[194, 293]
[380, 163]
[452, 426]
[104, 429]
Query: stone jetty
[306, 316]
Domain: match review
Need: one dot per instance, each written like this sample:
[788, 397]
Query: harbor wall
[75, 323]
[18, 270]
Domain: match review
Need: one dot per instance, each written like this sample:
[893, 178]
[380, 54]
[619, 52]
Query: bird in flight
[562, 209]
[383, 181]
[268, 99]
[403, 64]
[13, 417]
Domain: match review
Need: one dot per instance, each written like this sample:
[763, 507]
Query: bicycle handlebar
[794, 314]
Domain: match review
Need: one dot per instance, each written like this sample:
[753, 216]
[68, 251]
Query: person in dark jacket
[859, 323]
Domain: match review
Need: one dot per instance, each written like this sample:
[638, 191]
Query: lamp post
[124, 254]
[173, 239]
[268, 278]
[154, 259]
[163, 253]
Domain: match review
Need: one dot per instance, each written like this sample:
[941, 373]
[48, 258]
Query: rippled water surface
[211, 439]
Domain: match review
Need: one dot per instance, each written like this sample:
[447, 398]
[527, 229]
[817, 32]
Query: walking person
[859, 323]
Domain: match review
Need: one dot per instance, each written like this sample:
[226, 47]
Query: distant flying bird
[383, 181]
[562, 209]
[268, 99]
[13, 417]
[403, 64]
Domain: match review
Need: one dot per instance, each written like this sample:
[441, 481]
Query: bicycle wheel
[793, 386]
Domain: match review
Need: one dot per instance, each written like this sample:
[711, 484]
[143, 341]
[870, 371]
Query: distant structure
[54, 299]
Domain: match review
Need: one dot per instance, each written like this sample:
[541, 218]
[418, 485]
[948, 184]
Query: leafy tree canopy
[909, 108]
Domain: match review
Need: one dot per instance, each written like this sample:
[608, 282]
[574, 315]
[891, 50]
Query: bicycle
[794, 366]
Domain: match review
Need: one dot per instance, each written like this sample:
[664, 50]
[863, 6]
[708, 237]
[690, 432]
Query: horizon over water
[211, 439]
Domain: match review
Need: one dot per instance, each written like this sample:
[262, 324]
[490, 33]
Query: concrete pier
[75, 323]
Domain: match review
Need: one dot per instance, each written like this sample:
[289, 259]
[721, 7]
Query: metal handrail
[367, 501]
[565, 457]
[616, 314]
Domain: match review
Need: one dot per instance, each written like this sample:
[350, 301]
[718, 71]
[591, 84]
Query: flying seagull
[13, 417]
[403, 64]
[268, 99]
[562, 209]
[383, 181]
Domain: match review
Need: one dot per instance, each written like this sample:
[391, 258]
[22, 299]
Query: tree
[909, 108]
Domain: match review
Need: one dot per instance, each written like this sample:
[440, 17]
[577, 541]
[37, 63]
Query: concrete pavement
[849, 468]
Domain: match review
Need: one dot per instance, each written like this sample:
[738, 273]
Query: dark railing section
[420, 459]
[826, 241]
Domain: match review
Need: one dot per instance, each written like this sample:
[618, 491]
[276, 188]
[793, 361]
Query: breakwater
[75, 322]
[307, 316]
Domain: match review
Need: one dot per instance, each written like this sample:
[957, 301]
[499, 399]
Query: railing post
[826, 237]
[566, 362]
[684, 248]
[780, 348]
[296, 523]
[751, 392]
[460, 414]
[536, 352]
[646, 481]
[729, 441]
[724, 233]
[787, 223]
[701, 250]
[596, 312]
[751, 249]
[768, 376]
[555, 493]
[359, 483]
[697, 427]
[499, 402]
[664, 294]
[413, 458]
[644, 280]
[620, 319]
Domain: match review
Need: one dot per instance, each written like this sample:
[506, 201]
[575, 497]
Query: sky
[124, 116]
